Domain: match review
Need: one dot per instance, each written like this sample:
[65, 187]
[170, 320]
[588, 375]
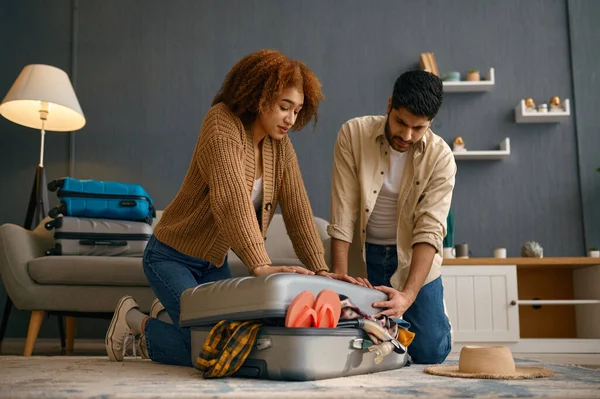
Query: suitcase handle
[253, 368]
[110, 243]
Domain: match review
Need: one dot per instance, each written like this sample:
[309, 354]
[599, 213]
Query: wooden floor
[87, 347]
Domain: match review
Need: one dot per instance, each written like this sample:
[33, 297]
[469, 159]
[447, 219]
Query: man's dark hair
[419, 92]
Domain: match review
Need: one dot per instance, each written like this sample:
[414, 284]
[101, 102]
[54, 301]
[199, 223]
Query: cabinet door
[478, 302]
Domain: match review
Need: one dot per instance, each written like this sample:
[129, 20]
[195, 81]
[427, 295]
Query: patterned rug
[96, 377]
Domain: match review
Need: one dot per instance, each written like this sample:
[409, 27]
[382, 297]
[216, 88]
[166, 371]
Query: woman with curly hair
[243, 165]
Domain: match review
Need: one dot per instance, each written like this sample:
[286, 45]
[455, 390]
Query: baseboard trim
[539, 345]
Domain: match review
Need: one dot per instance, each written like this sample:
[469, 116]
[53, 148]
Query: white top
[257, 193]
[383, 222]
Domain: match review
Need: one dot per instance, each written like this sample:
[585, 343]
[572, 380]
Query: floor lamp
[41, 98]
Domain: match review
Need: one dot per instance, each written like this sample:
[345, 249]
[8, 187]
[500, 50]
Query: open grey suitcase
[282, 353]
[98, 237]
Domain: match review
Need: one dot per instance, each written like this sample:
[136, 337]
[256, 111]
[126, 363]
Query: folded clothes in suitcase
[282, 353]
[100, 199]
[98, 237]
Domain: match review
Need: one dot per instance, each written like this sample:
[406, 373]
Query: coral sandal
[300, 313]
[328, 309]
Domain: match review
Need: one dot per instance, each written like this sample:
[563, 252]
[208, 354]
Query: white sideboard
[528, 304]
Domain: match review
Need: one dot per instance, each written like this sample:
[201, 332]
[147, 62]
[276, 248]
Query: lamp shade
[36, 84]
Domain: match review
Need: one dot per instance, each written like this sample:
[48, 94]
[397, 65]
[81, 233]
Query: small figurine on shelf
[555, 104]
[458, 145]
[543, 108]
[530, 105]
[473, 76]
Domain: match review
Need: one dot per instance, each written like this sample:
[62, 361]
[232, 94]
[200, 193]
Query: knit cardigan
[213, 210]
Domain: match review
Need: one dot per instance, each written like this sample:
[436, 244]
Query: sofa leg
[70, 321]
[61, 333]
[35, 322]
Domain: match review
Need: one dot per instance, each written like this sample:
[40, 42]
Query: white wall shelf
[522, 115]
[468, 86]
[485, 155]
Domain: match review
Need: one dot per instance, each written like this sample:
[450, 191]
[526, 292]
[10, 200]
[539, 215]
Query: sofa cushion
[104, 270]
[88, 270]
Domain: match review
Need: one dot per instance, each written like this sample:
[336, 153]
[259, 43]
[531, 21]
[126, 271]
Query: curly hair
[256, 81]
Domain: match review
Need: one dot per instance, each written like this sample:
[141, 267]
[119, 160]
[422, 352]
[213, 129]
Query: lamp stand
[37, 210]
[38, 206]
[38, 200]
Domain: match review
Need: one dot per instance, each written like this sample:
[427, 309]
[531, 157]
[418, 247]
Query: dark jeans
[426, 315]
[169, 273]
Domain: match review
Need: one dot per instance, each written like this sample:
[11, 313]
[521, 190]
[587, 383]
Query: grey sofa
[92, 285]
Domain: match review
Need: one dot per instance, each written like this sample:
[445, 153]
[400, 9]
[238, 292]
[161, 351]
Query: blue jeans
[169, 273]
[426, 315]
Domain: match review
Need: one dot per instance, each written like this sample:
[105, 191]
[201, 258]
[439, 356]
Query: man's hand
[339, 276]
[264, 270]
[398, 302]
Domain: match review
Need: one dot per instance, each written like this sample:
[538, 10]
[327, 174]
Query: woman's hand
[338, 276]
[265, 270]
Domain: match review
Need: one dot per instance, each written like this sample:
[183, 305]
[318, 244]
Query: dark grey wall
[585, 58]
[147, 71]
[147, 75]
[32, 32]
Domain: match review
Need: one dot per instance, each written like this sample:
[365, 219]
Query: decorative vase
[452, 76]
[532, 249]
[594, 253]
[473, 76]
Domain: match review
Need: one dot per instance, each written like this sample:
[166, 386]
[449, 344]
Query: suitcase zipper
[99, 236]
[105, 196]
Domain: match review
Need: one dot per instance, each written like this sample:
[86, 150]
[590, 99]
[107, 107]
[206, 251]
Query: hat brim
[520, 373]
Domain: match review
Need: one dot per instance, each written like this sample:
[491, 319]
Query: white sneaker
[156, 308]
[140, 345]
[119, 330]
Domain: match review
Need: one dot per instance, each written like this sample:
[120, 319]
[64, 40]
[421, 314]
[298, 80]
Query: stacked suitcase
[100, 218]
[282, 353]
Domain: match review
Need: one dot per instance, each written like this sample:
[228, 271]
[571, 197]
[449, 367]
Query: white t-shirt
[257, 193]
[383, 222]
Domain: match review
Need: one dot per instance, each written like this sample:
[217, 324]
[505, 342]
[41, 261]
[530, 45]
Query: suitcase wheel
[56, 184]
[53, 214]
[54, 224]
[57, 250]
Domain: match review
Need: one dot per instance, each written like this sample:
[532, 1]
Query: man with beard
[391, 191]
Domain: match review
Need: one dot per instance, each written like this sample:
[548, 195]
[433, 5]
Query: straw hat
[488, 362]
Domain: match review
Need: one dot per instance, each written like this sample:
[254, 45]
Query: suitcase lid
[249, 298]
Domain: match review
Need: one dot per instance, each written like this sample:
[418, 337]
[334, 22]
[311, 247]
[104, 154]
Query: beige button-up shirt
[361, 159]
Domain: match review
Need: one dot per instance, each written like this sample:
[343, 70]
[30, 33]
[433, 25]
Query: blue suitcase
[99, 199]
